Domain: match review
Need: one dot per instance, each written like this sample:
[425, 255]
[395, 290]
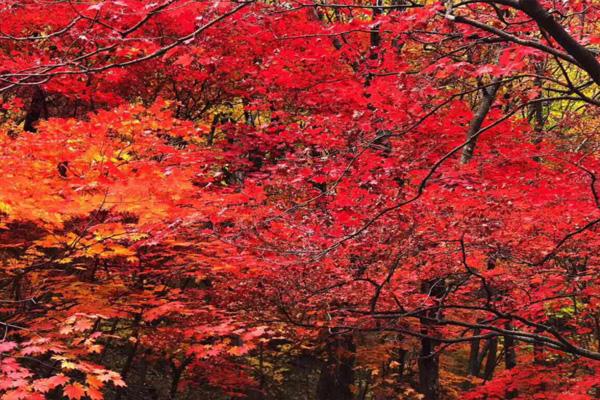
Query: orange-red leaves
[160, 311]
[7, 346]
[47, 384]
[74, 391]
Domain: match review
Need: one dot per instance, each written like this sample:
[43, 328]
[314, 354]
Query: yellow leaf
[68, 365]
[5, 208]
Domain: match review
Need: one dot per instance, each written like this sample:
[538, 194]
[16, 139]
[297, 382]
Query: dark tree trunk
[482, 354]
[36, 110]
[510, 359]
[176, 377]
[429, 359]
[131, 354]
[510, 354]
[429, 370]
[537, 108]
[402, 355]
[488, 96]
[375, 38]
[492, 359]
[337, 372]
[473, 367]
[584, 57]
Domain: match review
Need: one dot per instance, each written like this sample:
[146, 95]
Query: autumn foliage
[295, 199]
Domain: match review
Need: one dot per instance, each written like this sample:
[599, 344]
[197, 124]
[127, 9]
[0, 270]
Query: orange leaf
[75, 391]
[94, 394]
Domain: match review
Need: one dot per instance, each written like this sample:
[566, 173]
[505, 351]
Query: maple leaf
[240, 350]
[29, 350]
[184, 60]
[68, 365]
[47, 384]
[93, 382]
[18, 394]
[7, 346]
[74, 391]
[94, 394]
[160, 311]
[110, 376]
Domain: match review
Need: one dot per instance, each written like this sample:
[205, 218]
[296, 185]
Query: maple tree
[350, 200]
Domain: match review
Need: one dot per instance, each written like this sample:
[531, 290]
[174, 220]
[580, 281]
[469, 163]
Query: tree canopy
[368, 199]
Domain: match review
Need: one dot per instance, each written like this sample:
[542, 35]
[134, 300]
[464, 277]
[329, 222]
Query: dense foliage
[299, 200]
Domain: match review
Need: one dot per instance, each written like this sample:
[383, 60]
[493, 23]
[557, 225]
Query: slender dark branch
[512, 38]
